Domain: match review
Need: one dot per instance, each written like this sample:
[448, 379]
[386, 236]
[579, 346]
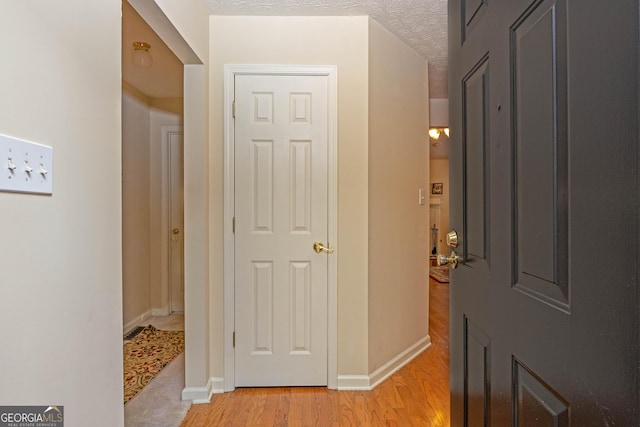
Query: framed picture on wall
[437, 188]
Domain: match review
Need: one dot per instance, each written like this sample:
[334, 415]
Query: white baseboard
[135, 322]
[164, 311]
[353, 382]
[217, 385]
[369, 382]
[392, 366]
[345, 382]
[199, 395]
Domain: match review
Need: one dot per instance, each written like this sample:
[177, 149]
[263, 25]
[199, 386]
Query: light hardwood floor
[416, 395]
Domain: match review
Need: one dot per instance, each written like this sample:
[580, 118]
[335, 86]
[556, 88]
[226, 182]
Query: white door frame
[165, 235]
[230, 71]
[165, 156]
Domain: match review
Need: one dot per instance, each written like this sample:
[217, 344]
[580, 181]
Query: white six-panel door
[280, 211]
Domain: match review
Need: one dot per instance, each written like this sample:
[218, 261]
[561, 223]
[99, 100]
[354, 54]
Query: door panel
[281, 210]
[535, 400]
[477, 374]
[538, 70]
[476, 161]
[473, 11]
[544, 160]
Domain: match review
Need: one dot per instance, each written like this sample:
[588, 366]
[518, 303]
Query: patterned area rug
[439, 274]
[145, 356]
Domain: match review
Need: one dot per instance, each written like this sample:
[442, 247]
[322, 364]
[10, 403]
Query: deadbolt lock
[452, 239]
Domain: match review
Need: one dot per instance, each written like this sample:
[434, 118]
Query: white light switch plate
[25, 167]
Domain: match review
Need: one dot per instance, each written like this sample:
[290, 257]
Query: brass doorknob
[175, 231]
[453, 259]
[319, 247]
[452, 239]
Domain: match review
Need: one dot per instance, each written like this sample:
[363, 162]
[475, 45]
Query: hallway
[159, 404]
[416, 395]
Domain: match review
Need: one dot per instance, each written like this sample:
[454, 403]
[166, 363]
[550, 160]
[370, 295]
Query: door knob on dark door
[451, 260]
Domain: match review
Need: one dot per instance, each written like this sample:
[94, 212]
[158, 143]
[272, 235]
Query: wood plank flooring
[416, 395]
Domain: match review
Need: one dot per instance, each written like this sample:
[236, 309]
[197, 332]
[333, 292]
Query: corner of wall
[371, 381]
[202, 395]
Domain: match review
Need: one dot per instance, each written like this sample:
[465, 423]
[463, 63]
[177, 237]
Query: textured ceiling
[422, 24]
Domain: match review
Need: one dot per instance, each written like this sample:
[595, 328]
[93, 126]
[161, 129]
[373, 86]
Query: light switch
[25, 167]
[421, 196]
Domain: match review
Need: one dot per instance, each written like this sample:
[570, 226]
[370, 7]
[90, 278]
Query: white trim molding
[198, 395]
[395, 364]
[163, 311]
[354, 382]
[230, 71]
[371, 381]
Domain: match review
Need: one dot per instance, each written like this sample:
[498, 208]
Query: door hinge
[234, 339]
[233, 108]
[233, 225]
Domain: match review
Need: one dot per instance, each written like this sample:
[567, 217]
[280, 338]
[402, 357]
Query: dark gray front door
[544, 161]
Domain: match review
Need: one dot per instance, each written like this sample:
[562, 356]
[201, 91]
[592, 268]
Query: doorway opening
[231, 72]
[439, 226]
[152, 200]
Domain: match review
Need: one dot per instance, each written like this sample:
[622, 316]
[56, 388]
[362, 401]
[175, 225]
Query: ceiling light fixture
[435, 133]
[141, 56]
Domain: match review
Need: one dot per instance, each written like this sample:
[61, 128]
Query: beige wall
[440, 173]
[196, 227]
[136, 239]
[60, 255]
[191, 20]
[398, 225]
[340, 41]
